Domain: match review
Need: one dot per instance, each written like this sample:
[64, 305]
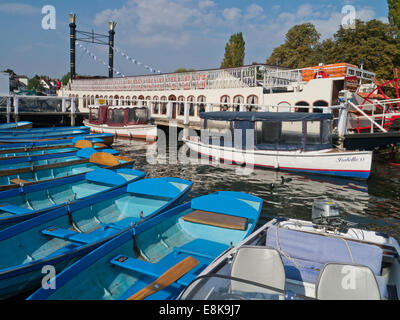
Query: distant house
[49, 85]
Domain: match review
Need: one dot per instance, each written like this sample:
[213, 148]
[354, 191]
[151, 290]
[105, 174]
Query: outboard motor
[326, 215]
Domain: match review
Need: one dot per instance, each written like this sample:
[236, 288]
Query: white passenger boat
[289, 141]
[327, 258]
[129, 122]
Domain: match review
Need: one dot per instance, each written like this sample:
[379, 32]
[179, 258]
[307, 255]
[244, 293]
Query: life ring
[321, 74]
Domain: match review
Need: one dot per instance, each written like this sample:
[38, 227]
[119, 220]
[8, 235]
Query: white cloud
[253, 11]
[232, 14]
[18, 8]
[206, 4]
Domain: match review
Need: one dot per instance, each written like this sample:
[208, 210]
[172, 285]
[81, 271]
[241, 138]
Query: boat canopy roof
[265, 116]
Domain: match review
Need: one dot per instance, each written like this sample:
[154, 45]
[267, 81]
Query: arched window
[116, 100]
[141, 100]
[128, 100]
[164, 105]
[92, 99]
[237, 101]
[302, 106]
[134, 100]
[225, 100]
[122, 99]
[181, 105]
[252, 102]
[155, 105]
[201, 104]
[191, 101]
[84, 101]
[284, 106]
[319, 103]
[106, 100]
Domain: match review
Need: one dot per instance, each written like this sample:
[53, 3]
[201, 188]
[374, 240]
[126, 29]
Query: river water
[373, 204]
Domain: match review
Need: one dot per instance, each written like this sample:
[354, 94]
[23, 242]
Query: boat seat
[154, 270]
[304, 254]
[266, 268]
[216, 219]
[10, 208]
[68, 235]
[346, 282]
[202, 248]
[80, 238]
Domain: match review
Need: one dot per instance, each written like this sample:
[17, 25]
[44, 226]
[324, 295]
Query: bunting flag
[97, 59]
[134, 61]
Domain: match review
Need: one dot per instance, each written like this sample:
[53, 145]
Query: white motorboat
[327, 258]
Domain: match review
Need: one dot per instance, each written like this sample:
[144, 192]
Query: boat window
[326, 137]
[292, 132]
[137, 114]
[313, 132]
[221, 287]
[267, 132]
[218, 132]
[116, 115]
[94, 114]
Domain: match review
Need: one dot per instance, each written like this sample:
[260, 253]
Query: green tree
[298, 51]
[180, 70]
[65, 79]
[374, 42]
[34, 84]
[394, 13]
[234, 52]
[9, 71]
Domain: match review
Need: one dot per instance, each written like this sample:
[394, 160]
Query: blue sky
[164, 34]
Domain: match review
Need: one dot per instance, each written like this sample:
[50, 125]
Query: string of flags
[95, 58]
[134, 61]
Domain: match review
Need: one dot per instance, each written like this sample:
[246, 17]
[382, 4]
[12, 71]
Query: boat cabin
[279, 131]
[118, 116]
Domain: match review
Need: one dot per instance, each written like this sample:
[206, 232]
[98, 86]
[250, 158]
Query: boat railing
[241, 77]
[276, 78]
[377, 115]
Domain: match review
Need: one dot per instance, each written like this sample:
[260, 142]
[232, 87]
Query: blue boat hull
[49, 239]
[115, 271]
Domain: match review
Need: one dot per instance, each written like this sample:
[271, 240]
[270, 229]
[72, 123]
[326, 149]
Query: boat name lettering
[351, 159]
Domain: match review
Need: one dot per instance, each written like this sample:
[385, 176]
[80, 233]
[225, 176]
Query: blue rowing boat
[27, 202]
[161, 256]
[10, 130]
[16, 125]
[62, 235]
[45, 159]
[86, 159]
[64, 150]
[22, 137]
[106, 138]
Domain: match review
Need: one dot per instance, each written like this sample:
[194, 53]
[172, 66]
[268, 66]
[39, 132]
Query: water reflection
[373, 203]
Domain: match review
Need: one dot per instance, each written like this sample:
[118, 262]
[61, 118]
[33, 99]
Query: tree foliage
[298, 51]
[234, 52]
[65, 78]
[34, 84]
[180, 70]
[374, 42]
[394, 14]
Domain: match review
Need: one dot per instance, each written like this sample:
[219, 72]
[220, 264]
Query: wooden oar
[167, 278]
